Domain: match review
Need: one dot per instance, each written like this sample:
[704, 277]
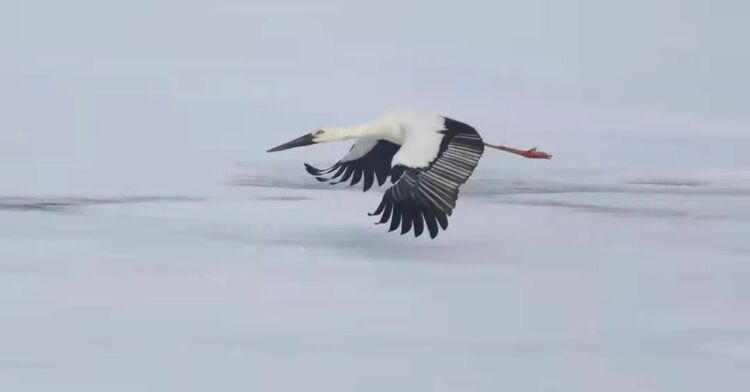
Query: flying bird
[427, 157]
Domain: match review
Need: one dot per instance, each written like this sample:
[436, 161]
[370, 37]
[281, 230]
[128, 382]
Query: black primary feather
[375, 164]
[425, 197]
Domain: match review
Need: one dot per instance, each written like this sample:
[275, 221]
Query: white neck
[349, 132]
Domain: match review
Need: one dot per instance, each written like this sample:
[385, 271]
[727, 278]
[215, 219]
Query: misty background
[175, 97]
[128, 263]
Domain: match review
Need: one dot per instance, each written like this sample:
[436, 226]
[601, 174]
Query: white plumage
[427, 158]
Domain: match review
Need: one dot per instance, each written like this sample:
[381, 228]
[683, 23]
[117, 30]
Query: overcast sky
[163, 96]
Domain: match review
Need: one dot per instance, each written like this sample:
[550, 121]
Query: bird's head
[319, 136]
[306, 140]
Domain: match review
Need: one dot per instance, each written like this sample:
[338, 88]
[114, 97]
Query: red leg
[531, 153]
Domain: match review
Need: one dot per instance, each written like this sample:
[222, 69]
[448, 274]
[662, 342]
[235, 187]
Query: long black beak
[298, 142]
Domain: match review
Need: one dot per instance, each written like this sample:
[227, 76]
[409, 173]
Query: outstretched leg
[532, 153]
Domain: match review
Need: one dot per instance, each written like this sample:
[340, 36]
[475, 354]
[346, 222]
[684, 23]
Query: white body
[417, 133]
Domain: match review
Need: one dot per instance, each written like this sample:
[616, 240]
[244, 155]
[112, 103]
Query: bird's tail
[531, 153]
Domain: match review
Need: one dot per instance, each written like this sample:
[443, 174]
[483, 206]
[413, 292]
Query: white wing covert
[426, 196]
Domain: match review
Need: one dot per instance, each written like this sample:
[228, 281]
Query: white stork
[428, 157]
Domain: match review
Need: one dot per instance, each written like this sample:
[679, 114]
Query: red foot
[535, 154]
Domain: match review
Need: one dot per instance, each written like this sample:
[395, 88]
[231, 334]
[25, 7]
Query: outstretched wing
[368, 159]
[426, 196]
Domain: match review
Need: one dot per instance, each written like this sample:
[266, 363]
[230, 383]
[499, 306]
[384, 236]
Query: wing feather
[424, 197]
[368, 159]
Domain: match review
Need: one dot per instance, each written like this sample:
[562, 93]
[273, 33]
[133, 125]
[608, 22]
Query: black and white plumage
[369, 159]
[427, 158]
[429, 193]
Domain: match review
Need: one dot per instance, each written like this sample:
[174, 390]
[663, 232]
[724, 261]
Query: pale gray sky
[163, 96]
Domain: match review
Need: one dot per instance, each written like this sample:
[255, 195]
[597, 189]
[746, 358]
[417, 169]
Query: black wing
[374, 165]
[426, 197]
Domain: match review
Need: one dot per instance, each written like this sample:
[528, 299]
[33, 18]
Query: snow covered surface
[630, 283]
[127, 263]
